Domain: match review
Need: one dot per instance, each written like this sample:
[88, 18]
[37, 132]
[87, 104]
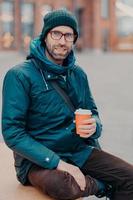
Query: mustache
[61, 46]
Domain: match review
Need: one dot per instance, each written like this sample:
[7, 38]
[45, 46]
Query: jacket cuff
[52, 161]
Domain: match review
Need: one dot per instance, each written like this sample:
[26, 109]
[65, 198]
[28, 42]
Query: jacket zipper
[44, 79]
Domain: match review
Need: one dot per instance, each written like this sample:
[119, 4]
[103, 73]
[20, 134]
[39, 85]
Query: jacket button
[47, 159]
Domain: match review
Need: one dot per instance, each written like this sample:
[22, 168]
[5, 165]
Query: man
[39, 126]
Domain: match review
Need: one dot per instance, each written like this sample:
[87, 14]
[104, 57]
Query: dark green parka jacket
[36, 122]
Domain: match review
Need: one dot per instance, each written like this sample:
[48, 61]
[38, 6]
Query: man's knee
[61, 185]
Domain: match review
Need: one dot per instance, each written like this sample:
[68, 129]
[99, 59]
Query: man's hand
[73, 171]
[87, 128]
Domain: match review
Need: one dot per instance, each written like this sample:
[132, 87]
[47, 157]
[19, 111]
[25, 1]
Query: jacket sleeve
[91, 105]
[14, 113]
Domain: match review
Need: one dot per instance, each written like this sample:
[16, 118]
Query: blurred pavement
[111, 79]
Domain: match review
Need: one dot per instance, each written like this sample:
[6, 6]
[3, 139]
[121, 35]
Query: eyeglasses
[57, 35]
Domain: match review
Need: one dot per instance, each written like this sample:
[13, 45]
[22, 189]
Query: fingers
[84, 135]
[86, 131]
[82, 182]
[87, 127]
[80, 179]
[89, 121]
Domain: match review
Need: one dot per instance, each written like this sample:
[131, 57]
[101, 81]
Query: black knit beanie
[60, 17]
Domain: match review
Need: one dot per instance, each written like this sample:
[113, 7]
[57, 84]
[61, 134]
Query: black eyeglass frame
[62, 34]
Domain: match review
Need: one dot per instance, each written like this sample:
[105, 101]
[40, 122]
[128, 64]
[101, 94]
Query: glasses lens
[69, 37]
[56, 35]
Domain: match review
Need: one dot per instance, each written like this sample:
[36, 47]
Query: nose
[62, 40]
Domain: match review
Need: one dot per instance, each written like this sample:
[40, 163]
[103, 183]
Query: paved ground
[111, 78]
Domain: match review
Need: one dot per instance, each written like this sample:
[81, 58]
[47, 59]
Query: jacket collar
[37, 51]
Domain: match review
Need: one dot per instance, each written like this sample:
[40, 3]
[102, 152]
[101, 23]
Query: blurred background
[105, 25]
[104, 50]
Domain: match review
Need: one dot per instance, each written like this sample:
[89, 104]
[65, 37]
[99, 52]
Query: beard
[57, 52]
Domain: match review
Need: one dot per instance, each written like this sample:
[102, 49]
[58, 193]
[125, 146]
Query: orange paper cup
[80, 116]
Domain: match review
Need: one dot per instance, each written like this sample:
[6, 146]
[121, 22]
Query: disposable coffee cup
[80, 116]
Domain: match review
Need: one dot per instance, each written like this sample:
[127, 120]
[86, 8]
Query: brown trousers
[101, 165]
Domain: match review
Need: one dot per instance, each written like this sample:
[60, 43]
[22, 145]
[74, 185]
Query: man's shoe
[107, 192]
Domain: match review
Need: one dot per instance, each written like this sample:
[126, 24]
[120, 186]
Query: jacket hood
[37, 51]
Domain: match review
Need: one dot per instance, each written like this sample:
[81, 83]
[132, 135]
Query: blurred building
[104, 24]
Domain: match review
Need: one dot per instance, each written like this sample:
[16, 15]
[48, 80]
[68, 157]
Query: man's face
[59, 42]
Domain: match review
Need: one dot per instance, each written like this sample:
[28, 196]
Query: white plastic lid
[83, 111]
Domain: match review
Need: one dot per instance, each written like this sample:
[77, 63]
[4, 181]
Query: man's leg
[111, 170]
[59, 184]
